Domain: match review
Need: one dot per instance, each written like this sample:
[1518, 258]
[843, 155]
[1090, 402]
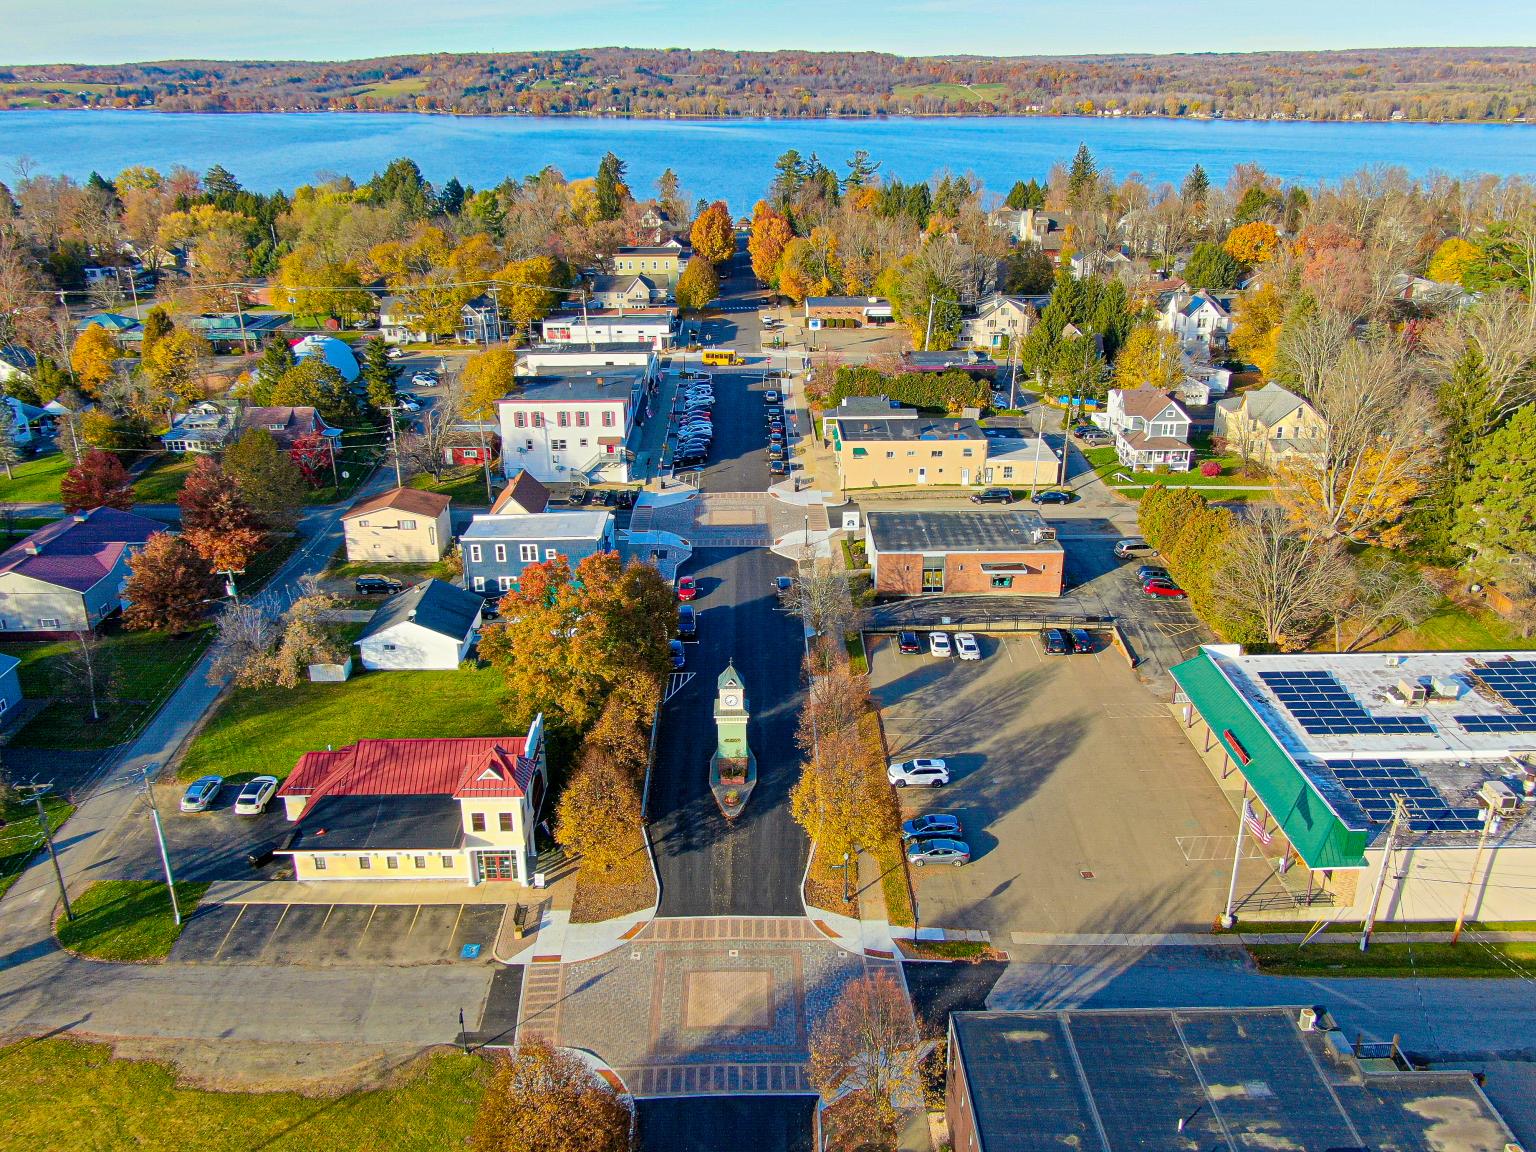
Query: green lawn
[267, 729]
[35, 482]
[954, 93]
[161, 482]
[60, 1093]
[343, 569]
[465, 486]
[126, 921]
[858, 661]
[21, 834]
[1455, 628]
[1468, 958]
[401, 86]
[142, 669]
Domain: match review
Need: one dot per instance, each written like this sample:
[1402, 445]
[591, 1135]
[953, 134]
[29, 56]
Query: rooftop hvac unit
[1445, 688]
[1499, 796]
[1041, 534]
[1307, 1020]
[1411, 692]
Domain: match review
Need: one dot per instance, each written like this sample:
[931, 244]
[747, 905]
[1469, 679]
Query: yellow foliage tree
[420, 271]
[488, 376]
[316, 286]
[713, 235]
[1257, 325]
[1149, 358]
[793, 281]
[1359, 496]
[178, 364]
[93, 356]
[1254, 243]
[528, 286]
[770, 234]
[1451, 260]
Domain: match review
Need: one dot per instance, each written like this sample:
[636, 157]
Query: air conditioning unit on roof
[1499, 796]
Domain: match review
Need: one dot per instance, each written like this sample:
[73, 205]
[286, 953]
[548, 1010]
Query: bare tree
[245, 647]
[89, 667]
[865, 1054]
[820, 598]
[1287, 580]
[1501, 331]
[1386, 595]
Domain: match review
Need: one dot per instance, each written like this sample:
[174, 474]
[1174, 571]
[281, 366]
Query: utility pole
[165, 857]
[1039, 443]
[38, 792]
[1490, 821]
[1399, 818]
[928, 334]
[394, 446]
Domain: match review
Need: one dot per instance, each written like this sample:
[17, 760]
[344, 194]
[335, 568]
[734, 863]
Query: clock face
[732, 699]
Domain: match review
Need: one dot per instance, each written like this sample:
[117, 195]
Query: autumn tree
[531, 288]
[310, 635]
[94, 357]
[178, 365]
[155, 326]
[217, 520]
[770, 234]
[488, 376]
[1382, 596]
[1288, 580]
[167, 584]
[270, 482]
[599, 814]
[244, 646]
[10, 454]
[317, 286]
[543, 1099]
[1452, 259]
[420, 272]
[1253, 243]
[99, 480]
[313, 383]
[1149, 358]
[864, 1055]
[713, 235]
[697, 287]
[1257, 324]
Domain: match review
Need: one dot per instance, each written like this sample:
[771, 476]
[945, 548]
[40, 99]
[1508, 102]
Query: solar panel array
[1374, 783]
[1515, 681]
[1322, 707]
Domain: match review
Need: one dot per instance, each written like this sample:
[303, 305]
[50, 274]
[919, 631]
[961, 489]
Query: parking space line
[454, 934]
[229, 930]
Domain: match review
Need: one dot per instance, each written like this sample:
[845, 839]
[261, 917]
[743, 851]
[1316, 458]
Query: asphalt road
[742, 1123]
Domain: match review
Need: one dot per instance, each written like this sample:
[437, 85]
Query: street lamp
[146, 774]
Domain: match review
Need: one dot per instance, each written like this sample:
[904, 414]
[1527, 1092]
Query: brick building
[913, 553]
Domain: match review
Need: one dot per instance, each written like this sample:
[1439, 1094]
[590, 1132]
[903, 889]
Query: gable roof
[1147, 403]
[79, 551]
[413, 500]
[1271, 404]
[434, 605]
[471, 766]
[285, 423]
[1200, 300]
[523, 493]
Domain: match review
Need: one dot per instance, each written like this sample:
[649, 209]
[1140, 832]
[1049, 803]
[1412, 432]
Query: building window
[319, 863]
[48, 622]
[1002, 581]
[407, 525]
[937, 453]
[563, 419]
[860, 453]
[607, 419]
[420, 862]
[519, 420]
[504, 821]
[966, 452]
[557, 445]
[538, 419]
[392, 861]
[504, 583]
[364, 863]
[890, 455]
[362, 523]
[479, 583]
[551, 553]
[1007, 471]
[581, 419]
[501, 553]
[447, 860]
[474, 553]
[527, 553]
[477, 821]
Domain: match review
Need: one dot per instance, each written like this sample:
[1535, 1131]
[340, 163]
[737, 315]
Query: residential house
[1031, 226]
[656, 227]
[1106, 263]
[571, 359]
[654, 326]
[621, 292]
[559, 428]
[661, 264]
[28, 421]
[847, 312]
[69, 576]
[454, 809]
[918, 553]
[16, 363]
[288, 425]
[402, 526]
[1017, 459]
[227, 332]
[497, 548]
[1151, 430]
[897, 450]
[1199, 320]
[114, 322]
[203, 429]
[10, 686]
[430, 627]
[1268, 425]
[480, 321]
[523, 496]
[399, 323]
[1000, 323]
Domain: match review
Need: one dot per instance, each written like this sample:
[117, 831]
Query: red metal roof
[477, 766]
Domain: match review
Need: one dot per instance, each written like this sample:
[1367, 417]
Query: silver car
[931, 824]
[201, 793]
[938, 851]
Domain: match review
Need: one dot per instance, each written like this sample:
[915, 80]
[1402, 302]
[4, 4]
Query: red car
[687, 588]
[1165, 589]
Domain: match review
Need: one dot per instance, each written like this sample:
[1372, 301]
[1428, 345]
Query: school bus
[722, 356]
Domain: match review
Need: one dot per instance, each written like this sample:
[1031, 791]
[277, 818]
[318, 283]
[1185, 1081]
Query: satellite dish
[346, 475]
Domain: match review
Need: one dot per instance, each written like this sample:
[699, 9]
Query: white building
[653, 326]
[1000, 322]
[577, 424]
[430, 627]
[1199, 320]
[1151, 430]
[570, 359]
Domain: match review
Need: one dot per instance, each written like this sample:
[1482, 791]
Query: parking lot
[333, 935]
[1085, 809]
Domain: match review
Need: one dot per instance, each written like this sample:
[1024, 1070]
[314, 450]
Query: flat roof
[539, 526]
[1238, 1078]
[380, 823]
[989, 531]
[1014, 444]
[610, 382]
[907, 428]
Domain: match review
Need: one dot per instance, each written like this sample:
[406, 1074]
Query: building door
[496, 865]
[922, 475]
[933, 574]
[965, 476]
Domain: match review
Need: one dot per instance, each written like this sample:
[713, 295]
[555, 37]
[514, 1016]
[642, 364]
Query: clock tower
[730, 715]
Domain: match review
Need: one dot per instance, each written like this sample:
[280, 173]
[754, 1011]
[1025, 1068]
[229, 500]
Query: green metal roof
[1321, 838]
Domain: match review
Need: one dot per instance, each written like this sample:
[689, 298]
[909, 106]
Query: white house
[1151, 430]
[653, 326]
[1198, 320]
[1000, 322]
[559, 428]
[622, 292]
[430, 627]
[16, 363]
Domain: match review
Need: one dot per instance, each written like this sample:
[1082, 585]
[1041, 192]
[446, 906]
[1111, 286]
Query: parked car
[201, 793]
[771, 396]
[408, 402]
[255, 796]
[679, 656]
[394, 353]
[925, 770]
[373, 585]
[1053, 496]
[1056, 642]
[909, 643]
[782, 584]
[1088, 434]
[992, 496]
[938, 851]
[491, 608]
[1163, 590]
[778, 468]
[1082, 640]
[773, 411]
[687, 622]
[579, 497]
[424, 380]
[626, 498]
[687, 588]
[966, 647]
[1133, 546]
[931, 824]
[938, 644]
[1152, 572]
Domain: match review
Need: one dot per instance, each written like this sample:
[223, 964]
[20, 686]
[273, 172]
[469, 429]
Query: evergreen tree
[1026, 195]
[271, 483]
[276, 359]
[402, 183]
[1496, 504]
[452, 197]
[861, 170]
[377, 375]
[609, 188]
[1196, 187]
[1212, 266]
[1082, 178]
[219, 181]
[789, 174]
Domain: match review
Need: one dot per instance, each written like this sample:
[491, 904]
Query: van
[722, 357]
[1133, 546]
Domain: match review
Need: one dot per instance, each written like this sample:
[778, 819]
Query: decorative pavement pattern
[696, 1006]
[732, 519]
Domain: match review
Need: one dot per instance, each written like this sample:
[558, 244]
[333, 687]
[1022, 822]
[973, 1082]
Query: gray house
[10, 685]
[429, 627]
[69, 576]
[496, 549]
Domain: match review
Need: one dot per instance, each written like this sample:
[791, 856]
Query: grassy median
[126, 921]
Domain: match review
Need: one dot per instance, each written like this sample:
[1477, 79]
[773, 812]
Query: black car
[1054, 496]
[378, 586]
[491, 609]
[1151, 572]
[687, 621]
[626, 499]
[1082, 640]
[1056, 642]
[993, 496]
[909, 643]
[580, 498]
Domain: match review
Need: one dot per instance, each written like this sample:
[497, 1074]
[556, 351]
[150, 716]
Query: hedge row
[949, 391]
[1191, 537]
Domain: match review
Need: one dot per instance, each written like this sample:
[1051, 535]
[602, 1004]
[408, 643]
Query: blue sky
[106, 31]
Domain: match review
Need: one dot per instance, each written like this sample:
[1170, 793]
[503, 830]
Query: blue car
[679, 657]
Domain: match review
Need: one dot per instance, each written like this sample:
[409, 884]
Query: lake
[733, 159]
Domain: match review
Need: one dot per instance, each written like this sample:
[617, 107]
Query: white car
[966, 647]
[409, 403]
[255, 796]
[394, 353]
[938, 644]
[925, 770]
[424, 380]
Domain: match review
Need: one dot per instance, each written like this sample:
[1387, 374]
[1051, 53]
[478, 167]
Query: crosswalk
[543, 989]
[650, 1080]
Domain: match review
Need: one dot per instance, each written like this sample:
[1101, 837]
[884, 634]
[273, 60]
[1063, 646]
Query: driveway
[1073, 788]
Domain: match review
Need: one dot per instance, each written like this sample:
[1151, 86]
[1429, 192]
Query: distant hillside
[1496, 84]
